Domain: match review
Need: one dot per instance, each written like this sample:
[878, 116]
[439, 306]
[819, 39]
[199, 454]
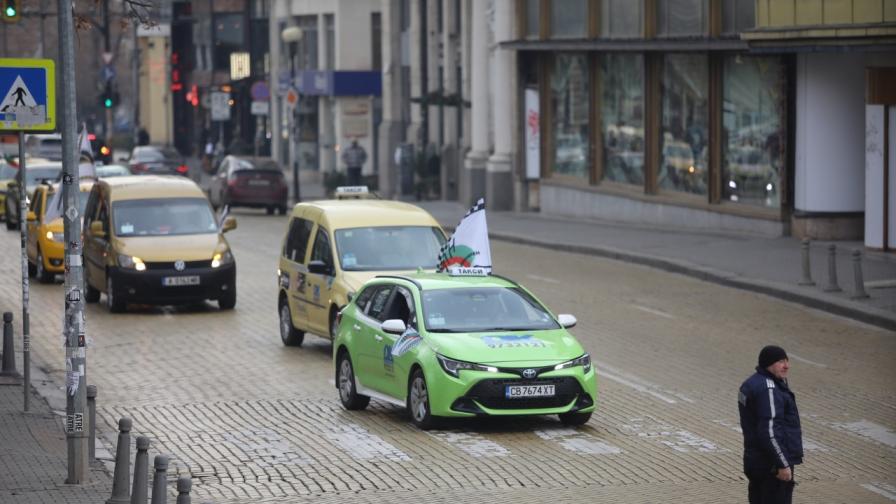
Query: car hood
[513, 348]
[194, 247]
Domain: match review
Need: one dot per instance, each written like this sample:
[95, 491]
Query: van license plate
[521, 391]
[180, 280]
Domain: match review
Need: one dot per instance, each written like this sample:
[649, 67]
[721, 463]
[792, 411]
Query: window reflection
[622, 112]
[753, 129]
[620, 18]
[685, 123]
[570, 107]
[738, 15]
[569, 18]
[679, 18]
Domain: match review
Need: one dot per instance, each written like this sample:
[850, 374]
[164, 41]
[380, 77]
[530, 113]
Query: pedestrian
[354, 158]
[773, 440]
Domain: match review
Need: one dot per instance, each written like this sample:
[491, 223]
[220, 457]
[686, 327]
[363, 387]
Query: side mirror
[228, 224]
[319, 268]
[31, 216]
[394, 326]
[96, 229]
[566, 320]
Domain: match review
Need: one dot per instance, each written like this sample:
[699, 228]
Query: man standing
[773, 440]
[354, 158]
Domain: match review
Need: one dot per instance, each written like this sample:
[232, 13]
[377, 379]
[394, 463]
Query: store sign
[220, 106]
[239, 65]
[533, 135]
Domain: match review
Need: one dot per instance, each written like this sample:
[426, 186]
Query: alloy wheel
[419, 399]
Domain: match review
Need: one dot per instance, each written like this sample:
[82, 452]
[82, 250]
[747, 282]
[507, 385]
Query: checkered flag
[468, 247]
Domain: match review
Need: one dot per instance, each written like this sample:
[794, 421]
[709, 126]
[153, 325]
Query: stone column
[499, 170]
[413, 130]
[274, 43]
[448, 182]
[390, 134]
[474, 165]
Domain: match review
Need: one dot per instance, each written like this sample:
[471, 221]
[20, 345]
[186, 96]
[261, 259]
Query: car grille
[491, 393]
[188, 265]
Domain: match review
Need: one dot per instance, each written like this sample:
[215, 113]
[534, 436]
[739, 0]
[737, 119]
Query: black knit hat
[770, 355]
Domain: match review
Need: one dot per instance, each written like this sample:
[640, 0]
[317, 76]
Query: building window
[230, 36]
[532, 14]
[685, 123]
[569, 18]
[738, 16]
[621, 18]
[622, 114]
[753, 129]
[682, 18]
[570, 112]
[376, 41]
[330, 28]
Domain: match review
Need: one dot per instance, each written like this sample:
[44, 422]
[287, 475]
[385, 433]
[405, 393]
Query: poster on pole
[220, 106]
[533, 135]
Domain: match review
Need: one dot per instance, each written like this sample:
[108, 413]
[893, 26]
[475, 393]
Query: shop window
[685, 130]
[532, 15]
[569, 18]
[738, 16]
[682, 18]
[622, 114]
[229, 36]
[753, 129]
[621, 18]
[570, 111]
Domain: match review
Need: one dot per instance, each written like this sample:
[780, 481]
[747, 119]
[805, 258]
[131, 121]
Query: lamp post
[293, 36]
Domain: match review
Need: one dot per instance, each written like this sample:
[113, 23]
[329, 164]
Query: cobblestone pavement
[253, 421]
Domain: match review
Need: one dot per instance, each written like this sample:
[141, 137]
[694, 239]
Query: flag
[468, 247]
[85, 169]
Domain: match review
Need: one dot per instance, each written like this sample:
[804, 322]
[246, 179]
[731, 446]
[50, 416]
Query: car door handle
[378, 337]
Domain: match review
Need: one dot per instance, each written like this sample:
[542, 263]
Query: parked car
[157, 160]
[249, 182]
[102, 151]
[7, 174]
[37, 171]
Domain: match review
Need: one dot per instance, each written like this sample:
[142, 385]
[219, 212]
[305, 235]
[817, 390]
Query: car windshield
[36, 174]
[106, 171]
[155, 154]
[484, 309]
[163, 217]
[82, 201]
[376, 248]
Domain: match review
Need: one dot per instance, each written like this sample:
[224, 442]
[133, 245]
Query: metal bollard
[832, 285]
[160, 480]
[807, 272]
[184, 483]
[91, 415]
[859, 292]
[141, 471]
[120, 491]
[9, 348]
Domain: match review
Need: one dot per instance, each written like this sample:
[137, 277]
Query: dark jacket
[770, 423]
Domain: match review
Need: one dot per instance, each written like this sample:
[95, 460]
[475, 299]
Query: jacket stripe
[771, 429]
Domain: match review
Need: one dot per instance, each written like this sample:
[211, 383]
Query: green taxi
[451, 345]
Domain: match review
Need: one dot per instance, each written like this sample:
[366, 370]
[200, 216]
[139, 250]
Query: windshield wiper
[443, 331]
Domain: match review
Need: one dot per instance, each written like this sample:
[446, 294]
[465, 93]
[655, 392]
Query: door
[317, 293]
[96, 247]
[294, 271]
[370, 345]
[396, 348]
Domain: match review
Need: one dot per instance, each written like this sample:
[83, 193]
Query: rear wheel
[269, 210]
[228, 300]
[281, 210]
[575, 418]
[349, 396]
[32, 269]
[114, 304]
[43, 276]
[418, 402]
[288, 333]
[92, 295]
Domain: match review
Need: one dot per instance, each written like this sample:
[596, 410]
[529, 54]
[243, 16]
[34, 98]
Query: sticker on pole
[28, 92]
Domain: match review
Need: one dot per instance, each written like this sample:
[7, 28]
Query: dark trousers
[766, 488]
[353, 175]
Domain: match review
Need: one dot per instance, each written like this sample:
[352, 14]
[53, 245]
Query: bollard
[859, 292]
[91, 416]
[141, 471]
[9, 349]
[183, 489]
[159, 480]
[120, 492]
[807, 272]
[832, 270]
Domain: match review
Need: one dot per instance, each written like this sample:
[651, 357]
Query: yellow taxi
[332, 247]
[46, 244]
[7, 174]
[154, 239]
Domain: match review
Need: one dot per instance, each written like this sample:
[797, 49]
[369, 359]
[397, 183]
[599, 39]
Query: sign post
[220, 113]
[29, 104]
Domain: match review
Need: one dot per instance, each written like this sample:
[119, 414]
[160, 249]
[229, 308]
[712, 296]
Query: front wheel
[43, 276]
[418, 402]
[288, 333]
[114, 304]
[349, 396]
[575, 418]
[228, 300]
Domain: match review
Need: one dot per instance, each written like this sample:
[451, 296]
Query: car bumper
[54, 256]
[147, 286]
[255, 198]
[478, 393]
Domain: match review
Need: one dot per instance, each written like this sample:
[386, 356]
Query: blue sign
[340, 83]
[27, 94]
[260, 91]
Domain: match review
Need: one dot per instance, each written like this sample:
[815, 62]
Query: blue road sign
[27, 94]
[260, 91]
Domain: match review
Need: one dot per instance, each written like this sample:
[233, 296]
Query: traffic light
[109, 97]
[12, 11]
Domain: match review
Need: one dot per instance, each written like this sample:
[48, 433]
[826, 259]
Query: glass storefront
[753, 129]
[570, 111]
[685, 123]
[622, 117]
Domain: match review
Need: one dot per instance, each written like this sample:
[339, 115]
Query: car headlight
[584, 361]
[222, 258]
[56, 237]
[131, 262]
[453, 367]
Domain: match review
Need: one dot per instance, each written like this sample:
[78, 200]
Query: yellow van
[46, 246]
[154, 239]
[332, 247]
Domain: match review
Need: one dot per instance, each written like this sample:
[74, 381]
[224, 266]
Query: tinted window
[375, 248]
[364, 298]
[484, 309]
[378, 303]
[163, 216]
[297, 240]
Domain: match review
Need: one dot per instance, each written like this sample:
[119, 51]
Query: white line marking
[473, 444]
[362, 445]
[887, 491]
[807, 361]
[871, 430]
[575, 441]
[679, 440]
[543, 279]
[605, 371]
[654, 312]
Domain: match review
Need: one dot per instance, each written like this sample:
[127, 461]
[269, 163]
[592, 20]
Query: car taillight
[182, 169]
[139, 168]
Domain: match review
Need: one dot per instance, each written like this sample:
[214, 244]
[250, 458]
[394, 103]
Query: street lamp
[293, 36]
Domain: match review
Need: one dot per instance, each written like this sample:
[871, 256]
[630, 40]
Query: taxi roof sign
[28, 91]
[351, 189]
[461, 271]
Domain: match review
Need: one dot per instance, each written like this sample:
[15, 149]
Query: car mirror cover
[393, 326]
[566, 320]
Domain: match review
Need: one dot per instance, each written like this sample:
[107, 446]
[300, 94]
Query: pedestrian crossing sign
[28, 94]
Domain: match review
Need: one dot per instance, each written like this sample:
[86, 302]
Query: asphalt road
[253, 421]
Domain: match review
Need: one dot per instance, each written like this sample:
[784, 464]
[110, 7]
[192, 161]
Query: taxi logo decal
[513, 341]
[388, 361]
[458, 255]
[316, 293]
[408, 340]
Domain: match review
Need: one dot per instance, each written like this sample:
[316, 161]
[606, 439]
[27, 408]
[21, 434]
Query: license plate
[259, 182]
[521, 391]
[180, 280]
